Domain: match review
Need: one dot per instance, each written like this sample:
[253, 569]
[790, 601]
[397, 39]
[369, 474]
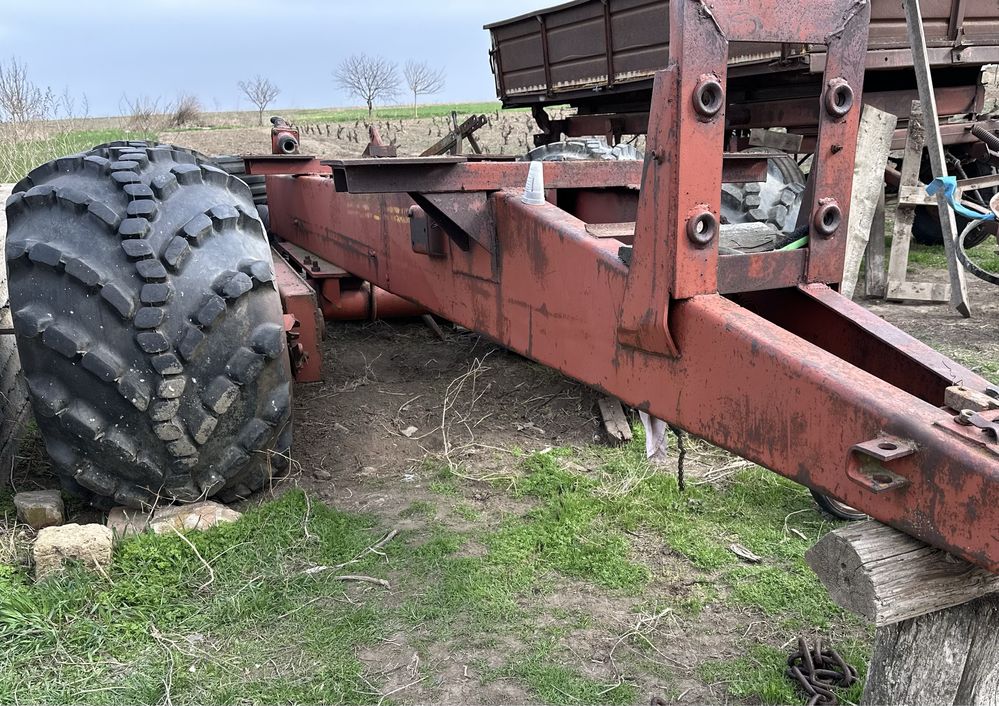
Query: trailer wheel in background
[836, 508]
[775, 201]
[149, 326]
[234, 165]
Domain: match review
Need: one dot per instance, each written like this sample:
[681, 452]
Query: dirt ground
[505, 133]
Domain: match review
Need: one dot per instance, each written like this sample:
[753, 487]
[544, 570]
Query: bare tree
[21, 100]
[370, 78]
[261, 93]
[423, 80]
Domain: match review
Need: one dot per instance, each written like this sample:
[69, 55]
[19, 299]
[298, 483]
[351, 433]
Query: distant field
[398, 112]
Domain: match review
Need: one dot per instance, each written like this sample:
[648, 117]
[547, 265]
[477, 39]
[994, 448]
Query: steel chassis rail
[755, 353]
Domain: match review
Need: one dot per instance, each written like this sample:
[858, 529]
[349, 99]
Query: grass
[19, 156]
[255, 628]
[985, 255]
[395, 112]
[160, 626]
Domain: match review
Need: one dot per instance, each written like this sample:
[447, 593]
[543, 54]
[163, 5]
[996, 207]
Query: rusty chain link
[817, 671]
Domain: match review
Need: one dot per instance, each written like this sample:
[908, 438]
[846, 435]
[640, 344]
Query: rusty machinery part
[581, 150]
[755, 352]
[776, 200]
[234, 165]
[284, 137]
[149, 326]
[818, 671]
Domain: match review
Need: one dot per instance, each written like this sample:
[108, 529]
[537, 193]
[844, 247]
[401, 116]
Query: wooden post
[873, 145]
[875, 282]
[937, 617]
[934, 146]
[911, 193]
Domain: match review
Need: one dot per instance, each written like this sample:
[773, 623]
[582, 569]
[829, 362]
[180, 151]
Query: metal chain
[681, 449]
[817, 671]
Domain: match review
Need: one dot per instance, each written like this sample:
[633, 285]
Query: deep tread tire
[775, 201]
[148, 325]
[237, 167]
[582, 150]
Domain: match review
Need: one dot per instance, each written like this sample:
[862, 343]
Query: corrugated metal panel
[575, 36]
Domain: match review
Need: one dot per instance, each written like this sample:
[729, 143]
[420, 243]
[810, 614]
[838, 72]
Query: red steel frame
[755, 353]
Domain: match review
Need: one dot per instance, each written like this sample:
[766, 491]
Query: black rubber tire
[149, 326]
[237, 167]
[775, 201]
[836, 508]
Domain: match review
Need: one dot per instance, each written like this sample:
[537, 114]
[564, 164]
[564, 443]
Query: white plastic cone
[534, 189]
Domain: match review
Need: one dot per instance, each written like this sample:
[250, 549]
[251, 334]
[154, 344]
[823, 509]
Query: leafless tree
[261, 93]
[21, 100]
[423, 80]
[370, 78]
[145, 114]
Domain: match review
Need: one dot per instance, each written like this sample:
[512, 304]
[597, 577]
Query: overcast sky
[161, 48]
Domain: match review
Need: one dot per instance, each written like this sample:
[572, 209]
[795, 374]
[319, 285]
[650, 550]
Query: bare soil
[508, 133]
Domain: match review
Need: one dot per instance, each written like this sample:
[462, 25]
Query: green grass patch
[394, 112]
[934, 257]
[18, 157]
[161, 620]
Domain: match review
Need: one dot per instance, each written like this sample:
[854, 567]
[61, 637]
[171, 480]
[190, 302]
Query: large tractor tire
[234, 165]
[775, 201]
[149, 326]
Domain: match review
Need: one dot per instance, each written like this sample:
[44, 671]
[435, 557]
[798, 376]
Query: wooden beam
[934, 146]
[875, 281]
[873, 145]
[887, 576]
[615, 420]
[950, 657]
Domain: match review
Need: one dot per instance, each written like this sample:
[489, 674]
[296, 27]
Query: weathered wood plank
[949, 657]
[615, 420]
[887, 576]
[873, 145]
[935, 150]
[875, 280]
[898, 262]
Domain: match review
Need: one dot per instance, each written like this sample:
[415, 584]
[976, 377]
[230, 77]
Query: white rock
[90, 545]
[196, 516]
[40, 508]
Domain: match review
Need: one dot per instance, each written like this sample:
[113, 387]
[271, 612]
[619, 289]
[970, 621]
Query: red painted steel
[755, 353]
[298, 299]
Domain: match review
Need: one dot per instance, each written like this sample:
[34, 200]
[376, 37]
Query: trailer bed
[606, 51]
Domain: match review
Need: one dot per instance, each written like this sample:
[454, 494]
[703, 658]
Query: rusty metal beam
[779, 393]
[434, 175]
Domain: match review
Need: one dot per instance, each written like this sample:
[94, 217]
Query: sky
[159, 49]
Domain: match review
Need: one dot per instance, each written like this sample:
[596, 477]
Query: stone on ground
[196, 516]
[90, 545]
[39, 508]
[123, 521]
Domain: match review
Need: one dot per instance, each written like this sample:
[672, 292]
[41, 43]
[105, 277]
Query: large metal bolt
[838, 98]
[701, 228]
[708, 97]
[828, 218]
